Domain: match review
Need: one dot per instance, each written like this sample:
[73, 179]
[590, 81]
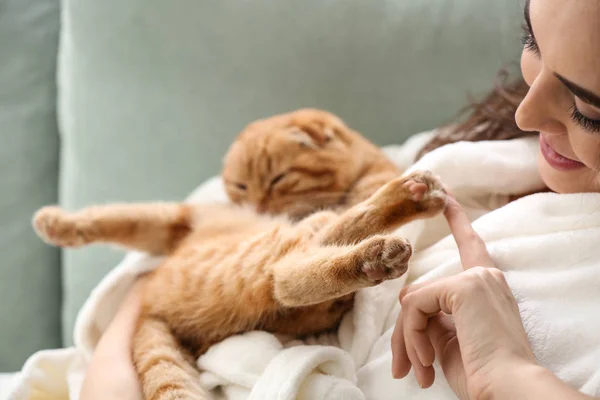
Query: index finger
[472, 249]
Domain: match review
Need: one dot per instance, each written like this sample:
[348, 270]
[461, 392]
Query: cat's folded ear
[312, 137]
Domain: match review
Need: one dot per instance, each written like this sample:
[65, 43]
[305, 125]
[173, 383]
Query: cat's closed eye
[241, 186]
[277, 179]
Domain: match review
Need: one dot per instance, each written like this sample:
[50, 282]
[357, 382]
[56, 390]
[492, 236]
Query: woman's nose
[540, 110]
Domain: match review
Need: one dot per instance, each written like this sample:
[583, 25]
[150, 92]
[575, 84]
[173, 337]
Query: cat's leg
[315, 222]
[155, 228]
[166, 370]
[371, 183]
[404, 199]
[324, 273]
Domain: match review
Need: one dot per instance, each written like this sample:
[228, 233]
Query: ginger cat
[256, 264]
[303, 161]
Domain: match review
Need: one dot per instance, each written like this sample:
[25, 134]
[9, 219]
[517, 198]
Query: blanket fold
[547, 245]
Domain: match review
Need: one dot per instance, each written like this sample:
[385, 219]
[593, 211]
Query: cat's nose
[261, 208]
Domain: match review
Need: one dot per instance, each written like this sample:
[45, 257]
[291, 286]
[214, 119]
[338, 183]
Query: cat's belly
[209, 310]
[209, 290]
[309, 320]
[298, 322]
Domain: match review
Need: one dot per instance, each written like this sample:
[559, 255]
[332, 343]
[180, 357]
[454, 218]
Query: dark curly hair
[493, 118]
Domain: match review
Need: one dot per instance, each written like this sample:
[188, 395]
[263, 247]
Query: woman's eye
[277, 179]
[587, 123]
[241, 186]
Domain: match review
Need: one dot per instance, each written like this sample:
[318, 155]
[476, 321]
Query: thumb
[442, 334]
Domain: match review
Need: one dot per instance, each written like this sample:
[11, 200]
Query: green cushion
[154, 90]
[30, 285]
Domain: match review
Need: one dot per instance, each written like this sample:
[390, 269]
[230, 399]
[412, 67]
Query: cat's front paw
[418, 195]
[57, 227]
[384, 258]
[426, 191]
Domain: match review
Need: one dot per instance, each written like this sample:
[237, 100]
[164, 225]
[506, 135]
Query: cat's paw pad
[386, 258]
[417, 189]
[55, 226]
[427, 191]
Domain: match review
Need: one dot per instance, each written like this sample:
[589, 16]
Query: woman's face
[561, 64]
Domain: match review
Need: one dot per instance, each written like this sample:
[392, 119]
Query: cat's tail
[155, 228]
[165, 368]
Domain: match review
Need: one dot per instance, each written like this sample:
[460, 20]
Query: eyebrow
[585, 95]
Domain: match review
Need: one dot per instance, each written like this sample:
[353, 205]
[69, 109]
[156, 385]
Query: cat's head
[294, 163]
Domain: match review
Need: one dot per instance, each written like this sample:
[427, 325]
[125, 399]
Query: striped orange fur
[313, 204]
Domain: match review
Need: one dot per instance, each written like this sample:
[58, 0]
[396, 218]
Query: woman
[561, 64]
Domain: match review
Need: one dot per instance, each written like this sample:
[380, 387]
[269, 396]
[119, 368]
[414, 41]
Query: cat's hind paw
[57, 227]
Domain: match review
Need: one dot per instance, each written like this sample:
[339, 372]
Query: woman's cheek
[586, 147]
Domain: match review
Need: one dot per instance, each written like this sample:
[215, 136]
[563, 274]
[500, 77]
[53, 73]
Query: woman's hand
[470, 322]
[111, 373]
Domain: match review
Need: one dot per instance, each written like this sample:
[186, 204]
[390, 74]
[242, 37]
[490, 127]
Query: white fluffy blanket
[547, 244]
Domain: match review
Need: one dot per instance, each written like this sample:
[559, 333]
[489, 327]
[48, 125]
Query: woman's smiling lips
[556, 160]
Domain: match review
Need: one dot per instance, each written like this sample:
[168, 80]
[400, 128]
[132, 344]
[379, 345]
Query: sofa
[137, 100]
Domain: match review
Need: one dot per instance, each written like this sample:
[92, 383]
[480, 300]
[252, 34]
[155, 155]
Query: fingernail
[420, 380]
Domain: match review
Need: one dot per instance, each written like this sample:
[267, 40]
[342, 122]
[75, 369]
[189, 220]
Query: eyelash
[529, 42]
[586, 123]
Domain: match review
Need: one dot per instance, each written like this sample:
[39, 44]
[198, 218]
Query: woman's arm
[111, 373]
[532, 382]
